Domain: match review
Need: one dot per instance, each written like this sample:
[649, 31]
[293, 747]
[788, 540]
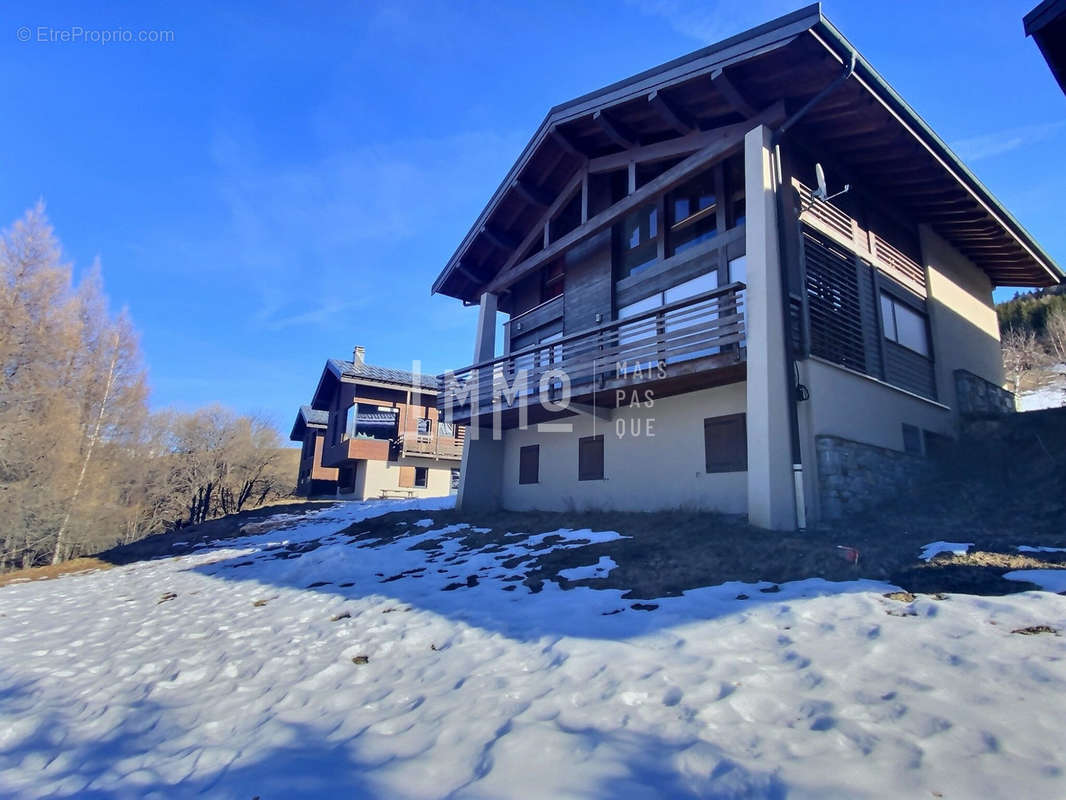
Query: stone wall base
[854, 477]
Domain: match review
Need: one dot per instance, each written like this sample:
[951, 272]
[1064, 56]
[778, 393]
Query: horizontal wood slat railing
[708, 324]
[834, 223]
[429, 444]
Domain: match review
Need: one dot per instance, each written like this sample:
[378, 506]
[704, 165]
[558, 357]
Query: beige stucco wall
[962, 316]
[373, 476]
[854, 406]
[642, 473]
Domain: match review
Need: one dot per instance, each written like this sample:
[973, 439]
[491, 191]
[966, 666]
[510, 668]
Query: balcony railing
[704, 331]
[427, 445]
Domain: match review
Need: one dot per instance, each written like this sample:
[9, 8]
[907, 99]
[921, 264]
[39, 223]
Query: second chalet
[382, 432]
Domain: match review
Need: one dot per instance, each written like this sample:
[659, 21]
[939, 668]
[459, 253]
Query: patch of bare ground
[1007, 561]
[71, 567]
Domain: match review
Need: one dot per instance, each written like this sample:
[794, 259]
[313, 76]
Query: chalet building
[1047, 25]
[695, 321]
[314, 478]
[382, 433]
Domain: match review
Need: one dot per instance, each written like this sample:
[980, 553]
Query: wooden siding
[587, 290]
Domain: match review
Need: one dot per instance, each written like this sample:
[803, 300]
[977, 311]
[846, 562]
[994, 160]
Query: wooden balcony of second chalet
[411, 444]
[690, 344]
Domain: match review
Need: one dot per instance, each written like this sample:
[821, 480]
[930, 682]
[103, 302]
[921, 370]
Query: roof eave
[959, 171]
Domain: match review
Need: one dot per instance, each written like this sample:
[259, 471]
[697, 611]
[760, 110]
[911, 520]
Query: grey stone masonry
[854, 477]
[977, 397]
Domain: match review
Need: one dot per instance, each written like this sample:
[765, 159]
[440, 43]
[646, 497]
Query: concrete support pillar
[481, 475]
[771, 495]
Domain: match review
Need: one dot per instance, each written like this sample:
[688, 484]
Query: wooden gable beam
[539, 231]
[566, 143]
[532, 194]
[732, 94]
[616, 131]
[499, 238]
[463, 270]
[660, 151]
[724, 145]
[673, 116]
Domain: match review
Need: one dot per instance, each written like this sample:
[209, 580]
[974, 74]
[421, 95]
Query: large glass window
[349, 423]
[637, 240]
[904, 326]
[693, 213]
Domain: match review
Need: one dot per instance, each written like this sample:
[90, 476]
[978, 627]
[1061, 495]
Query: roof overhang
[789, 59]
[1047, 25]
[302, 423]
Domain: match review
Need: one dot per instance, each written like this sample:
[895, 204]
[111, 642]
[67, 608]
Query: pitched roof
[307, 417]
[1047, 25]
[791, 59]
[349, 370]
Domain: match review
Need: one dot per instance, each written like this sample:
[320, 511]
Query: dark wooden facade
[386, 415]
[313, 478]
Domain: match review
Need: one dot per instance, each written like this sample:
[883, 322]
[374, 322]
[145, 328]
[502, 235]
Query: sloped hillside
[343, 653]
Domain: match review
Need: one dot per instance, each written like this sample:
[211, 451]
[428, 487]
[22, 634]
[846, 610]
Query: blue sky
[277, 184]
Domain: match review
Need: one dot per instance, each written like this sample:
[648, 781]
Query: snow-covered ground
[288, 665]
[1052, 394]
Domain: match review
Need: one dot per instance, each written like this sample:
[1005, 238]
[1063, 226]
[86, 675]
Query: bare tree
[1022, 354]
[1055, 332]
[83, 465]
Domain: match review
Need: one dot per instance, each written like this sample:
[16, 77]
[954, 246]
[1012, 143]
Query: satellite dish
[821, 192]
[819, 177]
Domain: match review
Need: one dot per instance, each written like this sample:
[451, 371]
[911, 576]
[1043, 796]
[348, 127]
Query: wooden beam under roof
[660, 151]
[463, 270]
[671, 114]
[566, 143]
[540, 228]
[499, 238]
[732, 94]
[616, 131]
[533, 194]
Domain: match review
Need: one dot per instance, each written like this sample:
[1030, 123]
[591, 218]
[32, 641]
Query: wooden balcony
[422, 445]
[692, 343]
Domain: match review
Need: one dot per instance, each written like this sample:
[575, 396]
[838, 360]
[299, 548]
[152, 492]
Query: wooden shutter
[529, 464]
[407, 477]
[590, 458]
[725, 440]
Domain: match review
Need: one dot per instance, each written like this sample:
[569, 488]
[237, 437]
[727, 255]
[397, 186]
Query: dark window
[529, 464]
[693, 212]
[590, 458]
[424, 427]
[637, 240]
[912, 439]
[725, 440]
[421, 477]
